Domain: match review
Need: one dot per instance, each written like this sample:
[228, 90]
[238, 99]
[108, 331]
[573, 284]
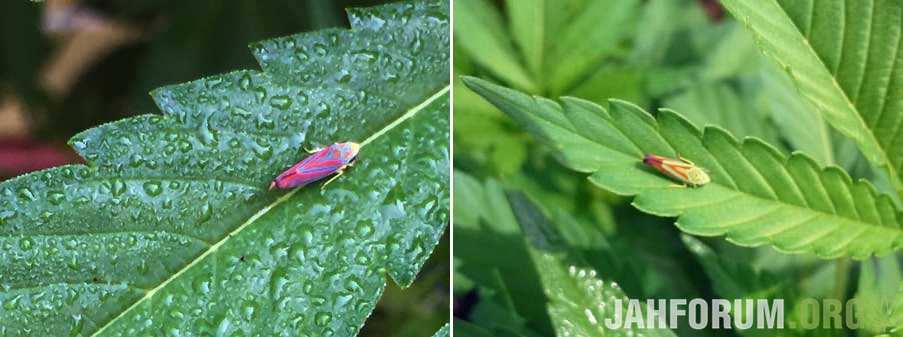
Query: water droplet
[11, 303]
[206, 213]
[263, 152]
[56, 197]
[281, 102]
[323, 318]
[223, 329]
[320, 49]
[6, 215]
[249, 310]
[344, 77]
[26, 243]
[152, 188]
[25, 193]
[264, 123]
[365, 229]
[245, 81]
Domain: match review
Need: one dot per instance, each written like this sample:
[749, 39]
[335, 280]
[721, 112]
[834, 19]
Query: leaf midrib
[884, 157]
[213, 248]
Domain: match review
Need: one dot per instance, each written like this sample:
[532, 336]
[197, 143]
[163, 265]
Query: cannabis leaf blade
[579, 301]
[480, 30]
[845, 58]
[442, 332]
[170, 227]
[585, 33]
[757, 195]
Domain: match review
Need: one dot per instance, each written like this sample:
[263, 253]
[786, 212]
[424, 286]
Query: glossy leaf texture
[442, 332]
[579, 301]
[758, 195]
[169, 228]
[845, 59]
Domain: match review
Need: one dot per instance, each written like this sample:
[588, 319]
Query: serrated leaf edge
[213, 248]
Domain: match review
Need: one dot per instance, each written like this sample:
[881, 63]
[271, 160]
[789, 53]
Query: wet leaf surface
[170, 230]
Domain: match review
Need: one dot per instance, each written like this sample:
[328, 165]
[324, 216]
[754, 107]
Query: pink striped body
[331, 159]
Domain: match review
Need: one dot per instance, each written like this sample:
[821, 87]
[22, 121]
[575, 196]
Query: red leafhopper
[680, 169]
[320, 164]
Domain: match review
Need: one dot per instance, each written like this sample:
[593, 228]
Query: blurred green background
[69, 65]
[687, 55]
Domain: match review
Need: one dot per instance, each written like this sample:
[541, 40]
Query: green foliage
[443, 332]
[509, 283]
[523, 47]
[776, 158]
[851, 72]
[758, 195]
[170, 228]
[880, 298]
[533, 283]
[579, 301]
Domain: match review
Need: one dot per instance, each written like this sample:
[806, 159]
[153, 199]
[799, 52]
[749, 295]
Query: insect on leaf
[758, 195]
[170, 228]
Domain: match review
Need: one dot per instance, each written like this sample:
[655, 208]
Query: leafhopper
[321, 163]
[680, 169]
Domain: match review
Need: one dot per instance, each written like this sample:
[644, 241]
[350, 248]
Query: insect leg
[678, 186]
[339, 172]
[312, 151]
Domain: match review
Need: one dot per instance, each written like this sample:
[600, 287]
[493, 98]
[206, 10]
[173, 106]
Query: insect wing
[676, 169]
[315, 167]
[319, 165]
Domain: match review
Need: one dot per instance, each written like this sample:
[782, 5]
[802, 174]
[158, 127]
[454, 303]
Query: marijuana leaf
[169, 227]
[757, 196]
[579, 301]
[851, 72]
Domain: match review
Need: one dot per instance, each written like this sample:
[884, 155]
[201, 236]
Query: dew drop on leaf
[55, 197]
[26, 243]
[323, 318]
[281, 102]
[26, 194]
[152, 188]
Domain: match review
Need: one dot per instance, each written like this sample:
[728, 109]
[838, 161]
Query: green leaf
[483, 219]
[540, 34]
[479, 31]
[879, 306]
[579, 35]
[527, 21]
[443, 332]
[804, 128]
[467, 329]
[169, 228]
[845, 58]
[663, 29]
[720, 104]
[733, 279]
[757, 196]
[579, 301]
[486, 134]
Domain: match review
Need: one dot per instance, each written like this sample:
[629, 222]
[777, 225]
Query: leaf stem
[209, 251]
